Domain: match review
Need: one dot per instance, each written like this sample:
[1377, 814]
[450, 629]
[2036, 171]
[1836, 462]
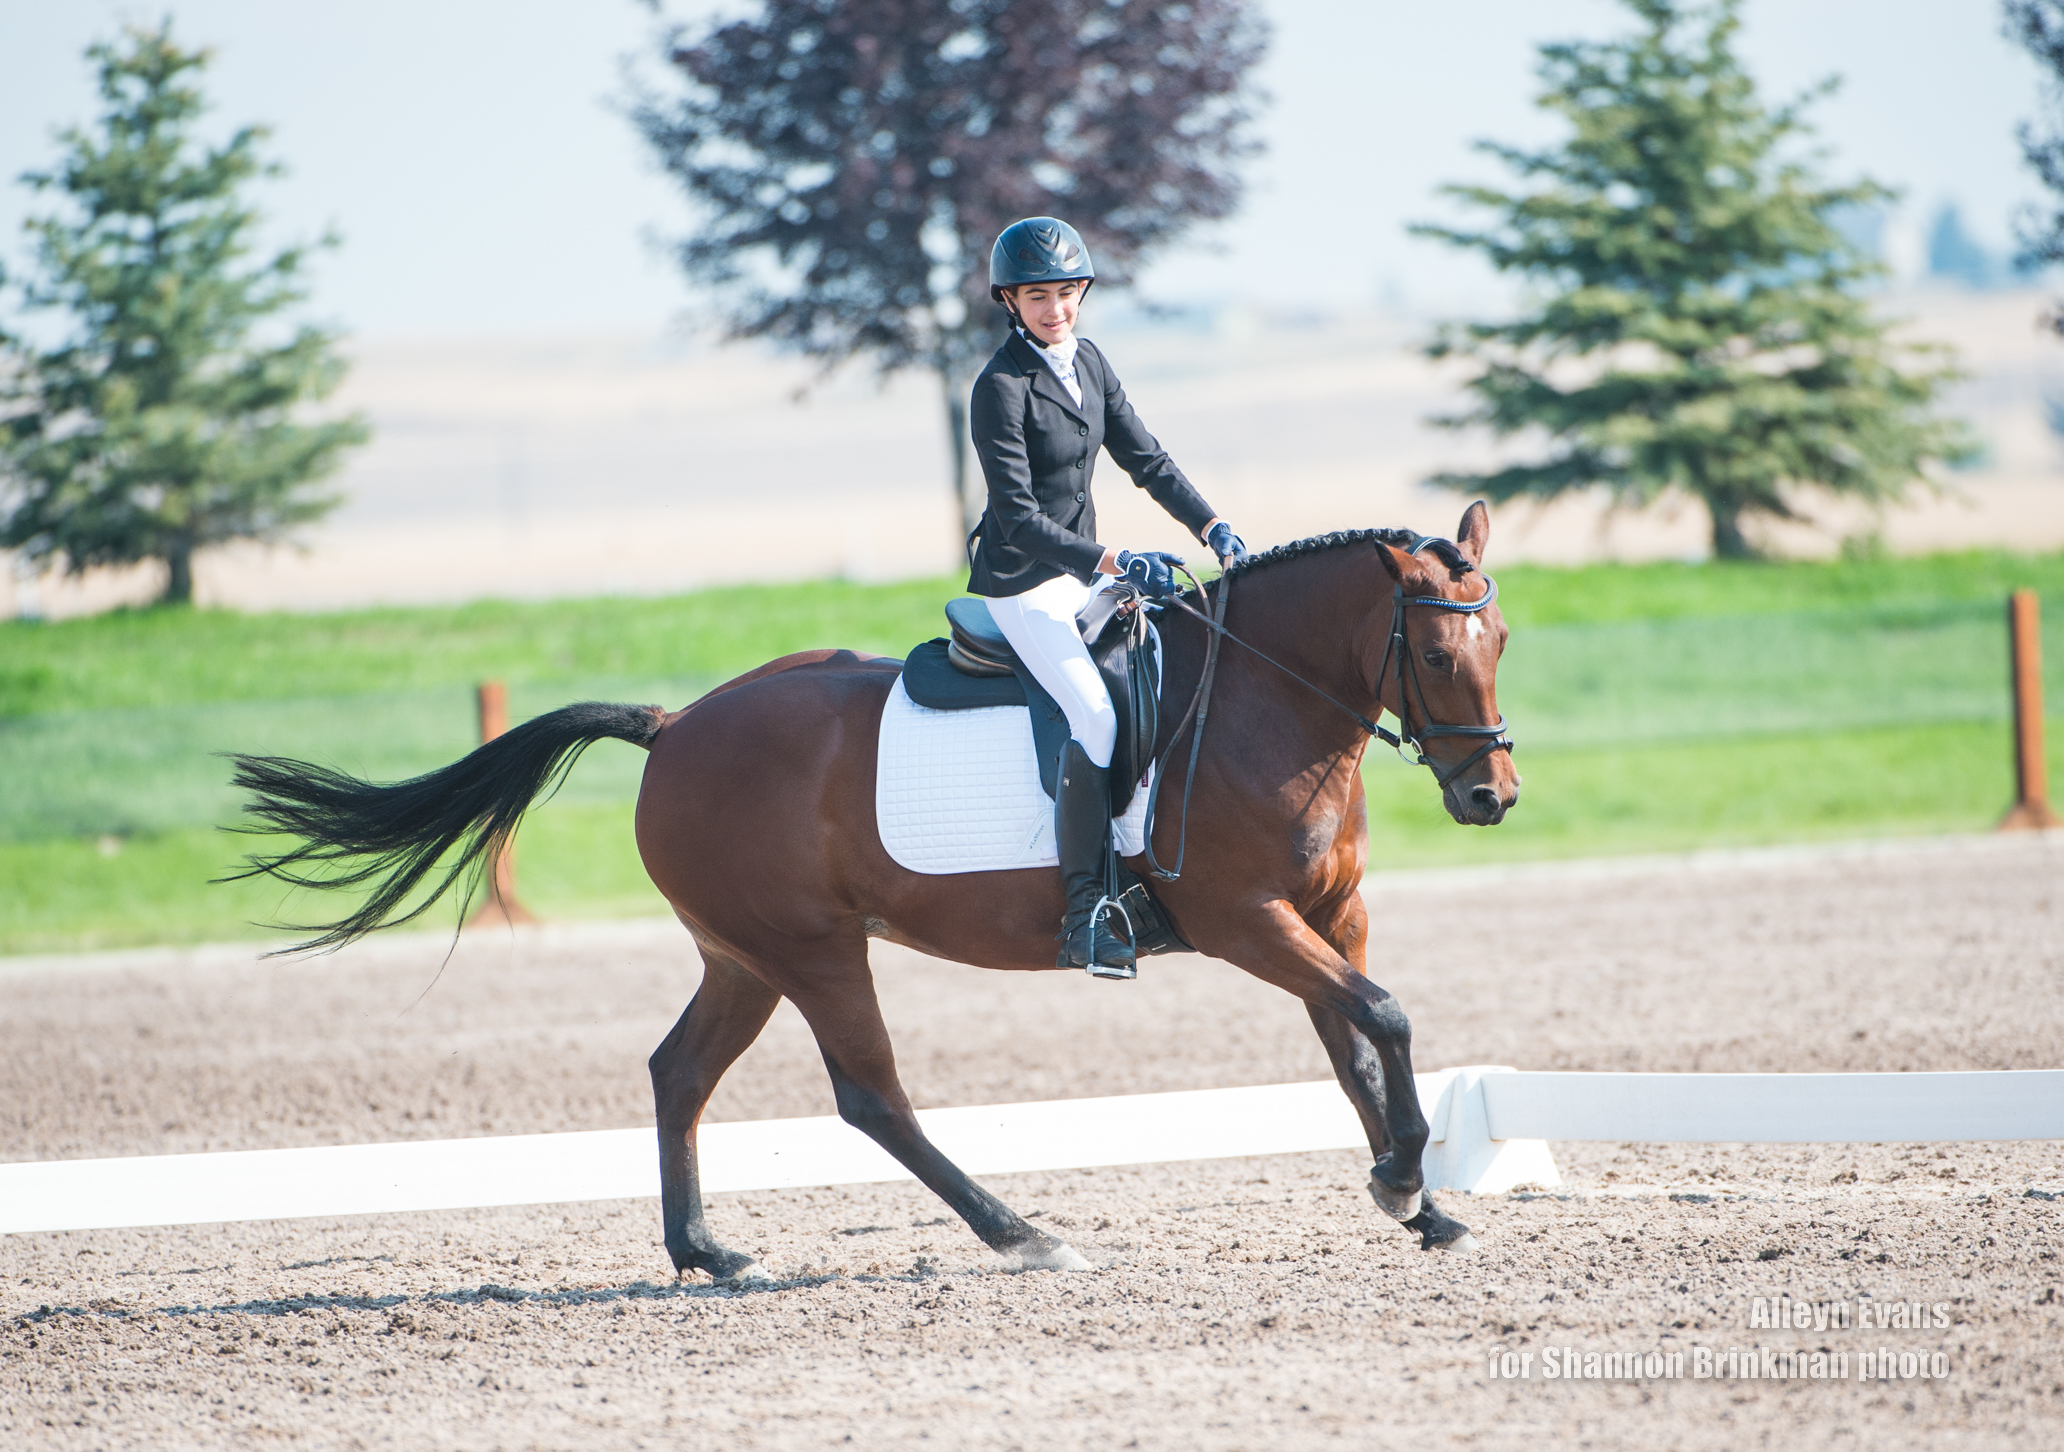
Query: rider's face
[1048, 309]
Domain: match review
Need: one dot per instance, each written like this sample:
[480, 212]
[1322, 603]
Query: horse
[755, 820]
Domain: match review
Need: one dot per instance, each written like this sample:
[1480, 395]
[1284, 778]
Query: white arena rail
[1490, 1128]
[1493, 1123]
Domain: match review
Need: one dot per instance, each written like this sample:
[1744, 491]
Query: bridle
[1491, 738]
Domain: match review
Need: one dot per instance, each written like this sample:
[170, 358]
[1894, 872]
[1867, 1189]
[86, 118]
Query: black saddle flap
[1125, 658]
[930, 679]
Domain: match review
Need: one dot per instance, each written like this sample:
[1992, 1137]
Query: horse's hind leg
[725, 1016]
[1358, 1067]
[838, 1000]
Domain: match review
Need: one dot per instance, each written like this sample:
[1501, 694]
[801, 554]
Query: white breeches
[1040, 625]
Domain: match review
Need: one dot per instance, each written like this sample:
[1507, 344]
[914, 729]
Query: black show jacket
[1038, 449]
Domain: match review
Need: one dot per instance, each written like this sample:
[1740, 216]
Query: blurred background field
[573, 485]
[1657, 707]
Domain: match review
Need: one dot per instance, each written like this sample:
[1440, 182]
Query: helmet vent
[1038, 249]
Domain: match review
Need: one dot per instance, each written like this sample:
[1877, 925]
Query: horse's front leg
[1279, 947]
[1344, 924]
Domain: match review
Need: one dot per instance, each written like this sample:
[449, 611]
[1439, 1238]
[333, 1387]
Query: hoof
[1060, 1256]
[1397, 1206]
[752, 1273]
[1441, 1232]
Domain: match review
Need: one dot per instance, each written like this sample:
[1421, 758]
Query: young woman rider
[1041, 409]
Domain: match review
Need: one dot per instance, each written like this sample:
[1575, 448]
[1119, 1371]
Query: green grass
[130, 658]
[1544, 595]
[1885, 781]
[575, 860]
[1657, 707]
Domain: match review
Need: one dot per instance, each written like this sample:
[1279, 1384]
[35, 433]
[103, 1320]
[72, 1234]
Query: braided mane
[1442, 549]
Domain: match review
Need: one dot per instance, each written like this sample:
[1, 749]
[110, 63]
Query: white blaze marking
[1473, 627]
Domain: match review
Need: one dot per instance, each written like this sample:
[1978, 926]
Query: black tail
[356, 832]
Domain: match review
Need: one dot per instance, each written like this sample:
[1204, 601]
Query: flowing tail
[393, 835]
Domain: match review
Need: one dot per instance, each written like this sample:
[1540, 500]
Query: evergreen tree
[2038, 27]
[1698, 326]
[854, 160]
[159, 426]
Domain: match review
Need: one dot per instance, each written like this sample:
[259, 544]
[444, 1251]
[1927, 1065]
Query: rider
[1041, 409]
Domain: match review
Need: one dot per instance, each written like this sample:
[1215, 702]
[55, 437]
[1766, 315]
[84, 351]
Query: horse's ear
[1402, 567]
[1474, 532]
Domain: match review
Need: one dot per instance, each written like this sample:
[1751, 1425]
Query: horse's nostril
[1484, 799]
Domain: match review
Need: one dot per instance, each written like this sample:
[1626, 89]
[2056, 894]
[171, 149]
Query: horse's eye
[1440, 660]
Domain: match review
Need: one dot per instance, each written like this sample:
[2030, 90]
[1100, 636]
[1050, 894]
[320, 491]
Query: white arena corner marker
[1460, 1152]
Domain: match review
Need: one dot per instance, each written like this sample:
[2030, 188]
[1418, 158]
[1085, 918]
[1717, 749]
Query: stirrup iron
[1116, 972]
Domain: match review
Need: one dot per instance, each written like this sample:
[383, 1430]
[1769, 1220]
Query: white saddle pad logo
[958, 791]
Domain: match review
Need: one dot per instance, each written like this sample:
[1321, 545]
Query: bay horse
[756, 821]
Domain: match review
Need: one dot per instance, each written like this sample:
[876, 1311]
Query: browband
[1441, 602]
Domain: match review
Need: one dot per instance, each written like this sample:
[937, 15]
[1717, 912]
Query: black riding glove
[1148, 572]
[1229, 547]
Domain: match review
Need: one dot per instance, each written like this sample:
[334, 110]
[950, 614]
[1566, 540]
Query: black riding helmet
[1038, 249]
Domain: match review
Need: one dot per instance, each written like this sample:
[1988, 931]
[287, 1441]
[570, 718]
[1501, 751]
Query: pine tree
[1699, 327]
[853, 160]
[159, 427]
[2038, 27]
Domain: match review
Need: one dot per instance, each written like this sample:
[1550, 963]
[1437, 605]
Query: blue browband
[1441, 602]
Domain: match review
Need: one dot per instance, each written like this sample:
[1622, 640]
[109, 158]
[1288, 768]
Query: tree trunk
[956, 396]
[178, 575]
[1729, 543]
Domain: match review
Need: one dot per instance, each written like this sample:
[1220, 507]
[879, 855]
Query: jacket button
[1078, 499]
[1078, 463]
[1083, 430]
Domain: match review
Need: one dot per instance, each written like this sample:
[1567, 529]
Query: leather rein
[1492, 738]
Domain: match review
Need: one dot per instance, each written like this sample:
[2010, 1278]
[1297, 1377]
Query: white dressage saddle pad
[958, 791]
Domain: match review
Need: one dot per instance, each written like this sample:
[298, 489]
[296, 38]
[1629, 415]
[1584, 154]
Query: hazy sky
[469, 154]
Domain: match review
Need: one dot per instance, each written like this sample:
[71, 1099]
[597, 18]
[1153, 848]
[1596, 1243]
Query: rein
[1200, 708]
[1493, 737]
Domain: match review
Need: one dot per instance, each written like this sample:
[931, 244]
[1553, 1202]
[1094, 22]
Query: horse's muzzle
[1483, 805]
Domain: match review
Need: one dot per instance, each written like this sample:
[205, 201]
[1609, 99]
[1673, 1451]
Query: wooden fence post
[2031, 809]
[502, 908]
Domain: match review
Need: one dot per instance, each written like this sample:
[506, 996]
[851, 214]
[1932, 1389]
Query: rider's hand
[1229, 547]
[1148, 572]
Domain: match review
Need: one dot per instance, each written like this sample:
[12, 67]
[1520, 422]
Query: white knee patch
[1040, 625]
[1098, 734]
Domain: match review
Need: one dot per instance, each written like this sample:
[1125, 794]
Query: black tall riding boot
[1082, 833]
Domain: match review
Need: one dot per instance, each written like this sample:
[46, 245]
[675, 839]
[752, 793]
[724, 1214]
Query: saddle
[974, 666]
